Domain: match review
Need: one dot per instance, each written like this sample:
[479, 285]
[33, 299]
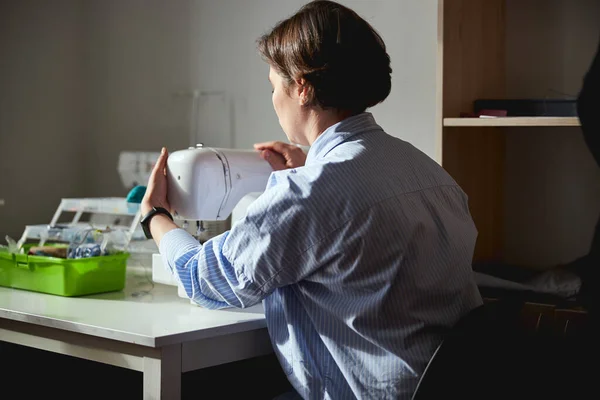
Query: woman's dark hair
[342, 59]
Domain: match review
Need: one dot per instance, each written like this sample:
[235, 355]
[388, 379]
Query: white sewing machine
[210, 184]
[207, 183]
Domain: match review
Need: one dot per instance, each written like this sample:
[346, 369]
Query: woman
[361, 249]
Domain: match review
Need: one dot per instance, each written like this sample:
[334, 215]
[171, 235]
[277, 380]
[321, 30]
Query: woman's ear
[303, 91]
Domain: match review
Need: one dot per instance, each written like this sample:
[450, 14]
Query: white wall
[225, 59]
[137, 59]
[553, 183]
[41, 110]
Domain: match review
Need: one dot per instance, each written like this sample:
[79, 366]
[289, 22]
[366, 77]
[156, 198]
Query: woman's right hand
[281, 155]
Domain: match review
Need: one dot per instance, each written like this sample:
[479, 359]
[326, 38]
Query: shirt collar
[340, 132]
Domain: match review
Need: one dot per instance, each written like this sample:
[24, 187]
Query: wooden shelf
[512, 121]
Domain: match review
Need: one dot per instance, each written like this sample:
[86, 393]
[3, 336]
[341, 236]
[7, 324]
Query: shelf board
[512, 121]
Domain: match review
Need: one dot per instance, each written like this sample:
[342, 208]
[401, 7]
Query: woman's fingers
[164, 155]
[292, 156]
[160, 163]
[276, 161]
[280, 147]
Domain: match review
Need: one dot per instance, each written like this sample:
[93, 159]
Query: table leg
[162, 376]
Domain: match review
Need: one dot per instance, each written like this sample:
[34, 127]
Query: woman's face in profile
[287, 105]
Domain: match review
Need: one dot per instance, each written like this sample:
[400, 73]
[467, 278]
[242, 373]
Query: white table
[146, 327]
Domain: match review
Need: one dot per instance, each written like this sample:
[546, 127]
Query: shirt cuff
[175, 244]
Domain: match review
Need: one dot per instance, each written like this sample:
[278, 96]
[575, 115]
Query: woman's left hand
[156, 191]
[281, 155]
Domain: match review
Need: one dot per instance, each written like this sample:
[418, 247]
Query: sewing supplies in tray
[93, 261]
[85, 243]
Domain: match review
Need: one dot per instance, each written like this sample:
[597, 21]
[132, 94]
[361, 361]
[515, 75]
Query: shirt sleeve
[205, 274]
[242, 266]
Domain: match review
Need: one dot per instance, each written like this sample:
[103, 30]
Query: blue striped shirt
[362, 258]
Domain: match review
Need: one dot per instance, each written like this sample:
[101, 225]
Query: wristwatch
[145, 222]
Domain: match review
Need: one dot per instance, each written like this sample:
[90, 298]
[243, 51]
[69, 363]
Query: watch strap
[145, 222]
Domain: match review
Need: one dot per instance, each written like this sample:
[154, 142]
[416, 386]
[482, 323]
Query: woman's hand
[156, 191]
[281, 155]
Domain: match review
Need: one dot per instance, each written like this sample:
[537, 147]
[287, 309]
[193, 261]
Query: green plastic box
[63, 277]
